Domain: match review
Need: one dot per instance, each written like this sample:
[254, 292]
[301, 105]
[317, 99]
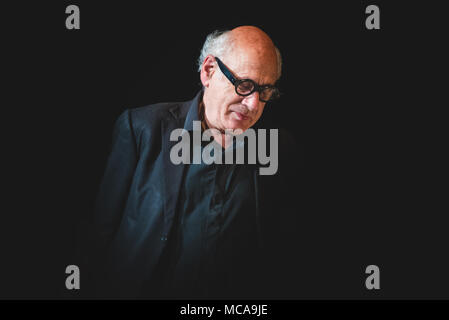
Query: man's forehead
[247, 65]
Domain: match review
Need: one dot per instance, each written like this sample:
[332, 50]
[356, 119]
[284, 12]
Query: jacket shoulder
[152, 115]
[145, 122]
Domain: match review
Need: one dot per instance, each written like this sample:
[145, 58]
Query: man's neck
[223, 139]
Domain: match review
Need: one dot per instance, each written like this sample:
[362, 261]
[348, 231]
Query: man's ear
[207, 70]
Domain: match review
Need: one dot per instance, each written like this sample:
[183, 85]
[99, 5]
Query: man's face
[225, 109]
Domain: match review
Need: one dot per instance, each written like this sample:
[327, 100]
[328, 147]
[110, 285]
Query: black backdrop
[364, 106]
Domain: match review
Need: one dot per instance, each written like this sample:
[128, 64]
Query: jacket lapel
[173, 173]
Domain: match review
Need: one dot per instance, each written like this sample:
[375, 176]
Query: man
[195, 230]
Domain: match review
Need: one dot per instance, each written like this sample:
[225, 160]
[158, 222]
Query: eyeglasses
[245, 87]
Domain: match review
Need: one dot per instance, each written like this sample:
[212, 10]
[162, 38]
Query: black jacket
[136, 204]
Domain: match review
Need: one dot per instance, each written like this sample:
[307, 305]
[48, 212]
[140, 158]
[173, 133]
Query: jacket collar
[192, 114]
[187, 111]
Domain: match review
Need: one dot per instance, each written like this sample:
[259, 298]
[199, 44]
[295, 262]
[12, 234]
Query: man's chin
[237, 126]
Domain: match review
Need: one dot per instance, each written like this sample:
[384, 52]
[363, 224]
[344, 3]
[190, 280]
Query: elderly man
[196, 230]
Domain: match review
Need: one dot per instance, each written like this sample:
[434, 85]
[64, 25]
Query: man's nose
[252, 101]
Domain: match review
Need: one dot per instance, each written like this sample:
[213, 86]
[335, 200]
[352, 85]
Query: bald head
[250, 35]
[248, 40]
[254, 46]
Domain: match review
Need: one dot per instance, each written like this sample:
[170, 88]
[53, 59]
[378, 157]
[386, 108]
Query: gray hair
[220, 42]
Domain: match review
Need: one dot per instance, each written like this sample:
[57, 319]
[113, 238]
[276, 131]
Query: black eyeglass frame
[256, 87]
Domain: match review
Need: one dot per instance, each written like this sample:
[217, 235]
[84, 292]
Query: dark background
[366, 107]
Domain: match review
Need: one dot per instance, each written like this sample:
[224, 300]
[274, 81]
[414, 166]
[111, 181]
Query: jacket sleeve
[113, 192]
[117, 178]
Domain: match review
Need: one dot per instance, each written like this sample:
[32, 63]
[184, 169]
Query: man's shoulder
[151, 116]
[153, 113]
